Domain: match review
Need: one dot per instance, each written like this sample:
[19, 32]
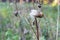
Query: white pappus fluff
[32, 14]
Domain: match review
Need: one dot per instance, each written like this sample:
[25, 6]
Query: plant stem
[37, 28]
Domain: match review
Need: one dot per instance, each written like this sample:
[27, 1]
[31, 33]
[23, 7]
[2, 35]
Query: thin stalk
[37, 28]
[33, 4]
[57, 24]
[16, 6]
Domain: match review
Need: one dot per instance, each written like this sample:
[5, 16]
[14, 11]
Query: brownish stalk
[37, 28]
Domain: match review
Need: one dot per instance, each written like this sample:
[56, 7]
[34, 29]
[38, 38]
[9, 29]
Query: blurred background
[15, 22]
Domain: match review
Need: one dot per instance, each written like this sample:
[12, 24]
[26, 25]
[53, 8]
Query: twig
[37, 28]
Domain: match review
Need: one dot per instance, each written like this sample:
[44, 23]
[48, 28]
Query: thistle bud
[35, 13]
[39, 5]
[39, 15]
[16, 13]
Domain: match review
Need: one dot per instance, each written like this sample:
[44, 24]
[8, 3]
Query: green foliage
[42, 38]
[28, 36]
[10, 35]
[6, 17]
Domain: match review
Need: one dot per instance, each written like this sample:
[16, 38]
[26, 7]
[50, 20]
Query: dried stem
[37, 28]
